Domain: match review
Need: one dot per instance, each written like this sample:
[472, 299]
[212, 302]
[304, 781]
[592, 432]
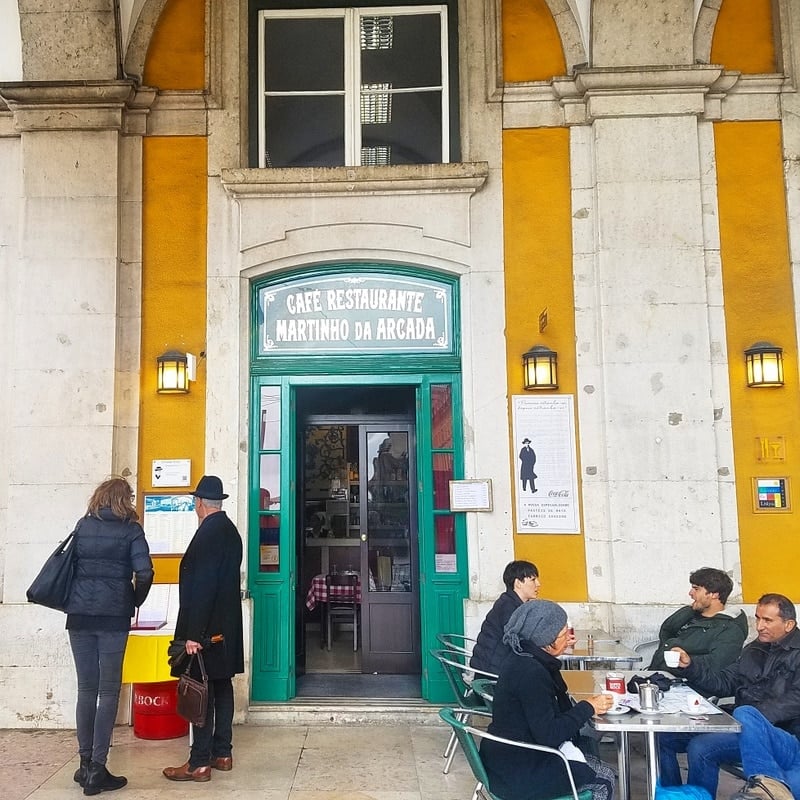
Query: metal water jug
[649, 695]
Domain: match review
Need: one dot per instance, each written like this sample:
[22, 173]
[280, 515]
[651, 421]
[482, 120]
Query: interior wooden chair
[466, 735]
[460, 676]
[339, 609]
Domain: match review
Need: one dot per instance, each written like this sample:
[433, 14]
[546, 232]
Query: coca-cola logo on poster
[558, 493]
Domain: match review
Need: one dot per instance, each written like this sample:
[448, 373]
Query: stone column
[650, 332]
[73, 315]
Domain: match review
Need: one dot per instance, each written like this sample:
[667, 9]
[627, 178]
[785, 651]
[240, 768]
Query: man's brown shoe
[183, 773]
[225, 763]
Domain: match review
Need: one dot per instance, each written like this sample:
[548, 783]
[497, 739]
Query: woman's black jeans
[98, 662]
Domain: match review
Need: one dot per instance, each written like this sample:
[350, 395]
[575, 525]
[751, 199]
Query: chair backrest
[341, 579]
[456, 642]
[460, 675]
[466, 736]
[646, 650]
[485, 688]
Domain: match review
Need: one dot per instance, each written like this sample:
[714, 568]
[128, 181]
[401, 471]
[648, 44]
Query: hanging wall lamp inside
[173, 373]
[540, 368]
[764, 362]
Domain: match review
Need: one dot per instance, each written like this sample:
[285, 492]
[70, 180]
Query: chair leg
[450, 744]
[355, 632]
[449, 762]
[329, 627]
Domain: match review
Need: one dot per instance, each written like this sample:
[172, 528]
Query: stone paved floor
[302, 762]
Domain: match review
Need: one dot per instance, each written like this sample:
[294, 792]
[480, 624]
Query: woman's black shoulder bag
[51, 586]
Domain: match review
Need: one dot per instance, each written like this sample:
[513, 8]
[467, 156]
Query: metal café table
[604, 648]
[583, 683]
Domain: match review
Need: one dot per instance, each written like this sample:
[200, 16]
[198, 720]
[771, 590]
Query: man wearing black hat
[210, 608]
[528, 458]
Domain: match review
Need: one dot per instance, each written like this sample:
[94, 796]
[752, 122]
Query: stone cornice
[414, 178]
[705, 91]
[76, 105]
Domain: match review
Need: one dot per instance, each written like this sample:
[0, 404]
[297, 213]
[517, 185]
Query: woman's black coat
[531, 704]
[210, 597]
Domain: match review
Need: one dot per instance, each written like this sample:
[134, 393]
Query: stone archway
[568, 20]
[141, 34]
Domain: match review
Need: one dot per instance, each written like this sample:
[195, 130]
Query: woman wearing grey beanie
[531, 704]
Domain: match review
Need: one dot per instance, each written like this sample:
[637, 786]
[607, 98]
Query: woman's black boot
[80, 773]
[99, 779]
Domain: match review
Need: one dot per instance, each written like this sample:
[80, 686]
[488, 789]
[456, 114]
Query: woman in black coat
[113, 574]
[210, 608]
[531, 704]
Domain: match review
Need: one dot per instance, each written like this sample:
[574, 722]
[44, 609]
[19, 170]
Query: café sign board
[355, 314]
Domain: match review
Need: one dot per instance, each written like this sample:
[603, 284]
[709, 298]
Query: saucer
[616, 712]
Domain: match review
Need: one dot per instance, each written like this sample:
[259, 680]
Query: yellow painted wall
[173, 297]
[174, 223]
[176, 57]
[758, 306]
[532, 48]
[743, 36]
[538, 273]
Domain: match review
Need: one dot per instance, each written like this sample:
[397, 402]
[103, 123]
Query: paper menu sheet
[169, 522]
[161, 606]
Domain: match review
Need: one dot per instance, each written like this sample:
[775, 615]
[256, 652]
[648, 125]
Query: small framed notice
[471, 495]
[771, 494]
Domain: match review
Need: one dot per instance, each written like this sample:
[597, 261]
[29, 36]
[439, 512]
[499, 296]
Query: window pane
[442, 475]
[269, 544]
[270, 483]
[303, 55]
[445, 533]
[413, 133]
[305, 131]
[388, 512]
[441, 417]
[270, 418]
[403, 51]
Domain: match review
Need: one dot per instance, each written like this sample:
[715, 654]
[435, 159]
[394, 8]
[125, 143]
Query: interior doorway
[358, 619]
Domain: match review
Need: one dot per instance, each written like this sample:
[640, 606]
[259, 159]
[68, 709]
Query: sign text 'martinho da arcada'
[356, 314]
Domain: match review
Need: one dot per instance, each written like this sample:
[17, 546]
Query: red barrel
[154, 711]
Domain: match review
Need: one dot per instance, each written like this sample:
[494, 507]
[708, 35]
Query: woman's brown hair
[116, 494]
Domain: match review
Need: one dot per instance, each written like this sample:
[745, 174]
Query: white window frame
[352, 72]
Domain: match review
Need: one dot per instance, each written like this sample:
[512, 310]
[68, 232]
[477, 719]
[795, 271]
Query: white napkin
[572, 752]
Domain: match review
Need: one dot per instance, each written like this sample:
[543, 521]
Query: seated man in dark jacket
[522, 584]
[705, 630]
[766, 677]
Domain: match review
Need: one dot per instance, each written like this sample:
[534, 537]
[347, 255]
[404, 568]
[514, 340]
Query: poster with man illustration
[545, 464]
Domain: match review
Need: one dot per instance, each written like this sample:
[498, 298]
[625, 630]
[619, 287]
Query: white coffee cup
[672, 658]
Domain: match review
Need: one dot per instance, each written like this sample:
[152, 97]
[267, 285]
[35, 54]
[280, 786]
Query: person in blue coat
[210, 621]
[113, 575]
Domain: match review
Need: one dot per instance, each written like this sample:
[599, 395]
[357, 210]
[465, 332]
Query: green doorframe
[274, 589]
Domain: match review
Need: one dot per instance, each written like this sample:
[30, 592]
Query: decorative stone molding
[84, 105]
[407, 178]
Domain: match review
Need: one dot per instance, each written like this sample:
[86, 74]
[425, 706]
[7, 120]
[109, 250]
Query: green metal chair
[460, 676]
[466, 738]
[485, 688]
[456, 642]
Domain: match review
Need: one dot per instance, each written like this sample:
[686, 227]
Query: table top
[583, 683]
[605, 649]
[318, 592]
